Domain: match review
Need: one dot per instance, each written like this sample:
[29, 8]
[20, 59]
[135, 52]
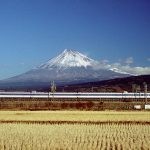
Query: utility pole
[53, 88]
[134, 90]
[145, 91]
[92, 89]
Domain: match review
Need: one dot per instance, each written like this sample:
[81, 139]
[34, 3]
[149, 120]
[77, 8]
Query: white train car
[87, 95]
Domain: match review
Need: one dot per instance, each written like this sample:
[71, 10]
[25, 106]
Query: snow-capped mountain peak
[67, 68]
[69, 58]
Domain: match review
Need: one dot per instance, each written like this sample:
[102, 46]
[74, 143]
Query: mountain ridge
[111, 85]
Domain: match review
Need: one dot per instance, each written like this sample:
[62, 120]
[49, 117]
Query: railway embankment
[71, 104]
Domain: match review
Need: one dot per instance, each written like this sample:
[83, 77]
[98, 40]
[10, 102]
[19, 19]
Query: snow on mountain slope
[68, 67]
[69, 58]
[118, 71]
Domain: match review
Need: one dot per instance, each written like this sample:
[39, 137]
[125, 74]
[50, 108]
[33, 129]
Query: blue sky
[33, 31]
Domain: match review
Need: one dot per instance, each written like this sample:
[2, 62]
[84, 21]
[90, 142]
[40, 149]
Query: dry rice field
[74, 130]
[80, 116]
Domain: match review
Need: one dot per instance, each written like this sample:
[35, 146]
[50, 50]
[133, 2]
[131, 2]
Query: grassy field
[74, 130]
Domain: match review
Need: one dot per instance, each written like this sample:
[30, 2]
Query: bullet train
[87, 95]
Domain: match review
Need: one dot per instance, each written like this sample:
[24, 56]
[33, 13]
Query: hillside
[113, 85]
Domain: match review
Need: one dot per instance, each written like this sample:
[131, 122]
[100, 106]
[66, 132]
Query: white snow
[69, 58]
[118, 71]
[72, 58]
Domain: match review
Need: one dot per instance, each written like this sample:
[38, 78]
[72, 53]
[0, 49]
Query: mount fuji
[67, 68]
